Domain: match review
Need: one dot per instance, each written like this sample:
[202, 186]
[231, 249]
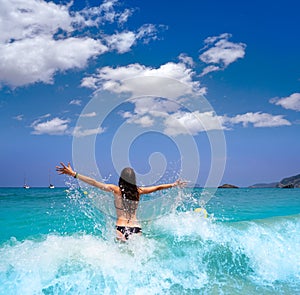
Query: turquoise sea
[54, 241]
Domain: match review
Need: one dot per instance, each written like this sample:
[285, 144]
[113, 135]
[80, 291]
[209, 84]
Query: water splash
[181, 252]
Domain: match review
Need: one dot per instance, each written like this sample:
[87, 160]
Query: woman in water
[126, 194]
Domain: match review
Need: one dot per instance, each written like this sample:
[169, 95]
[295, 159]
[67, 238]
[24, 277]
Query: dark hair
[127, 184]
[129, 192]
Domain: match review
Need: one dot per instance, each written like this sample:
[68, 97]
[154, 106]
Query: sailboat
[50, 184]
[26, 186]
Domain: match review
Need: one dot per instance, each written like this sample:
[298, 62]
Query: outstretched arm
[151, 189]
[63, 169]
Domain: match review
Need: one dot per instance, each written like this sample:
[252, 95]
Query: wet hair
[129, 192]
[127, 184]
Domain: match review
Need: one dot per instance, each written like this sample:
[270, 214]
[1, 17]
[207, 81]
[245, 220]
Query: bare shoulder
[145, 190]
[113, 188]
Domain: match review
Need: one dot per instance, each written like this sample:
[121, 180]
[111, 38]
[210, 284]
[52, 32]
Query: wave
[179, 253]
[268, 248]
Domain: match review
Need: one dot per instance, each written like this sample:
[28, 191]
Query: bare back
[126, 210]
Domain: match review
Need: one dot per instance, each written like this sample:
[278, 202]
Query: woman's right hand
[180, 183]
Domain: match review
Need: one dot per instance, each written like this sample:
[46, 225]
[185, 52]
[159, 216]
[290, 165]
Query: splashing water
[72, 250]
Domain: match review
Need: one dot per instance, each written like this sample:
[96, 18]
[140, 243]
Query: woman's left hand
[63, 169]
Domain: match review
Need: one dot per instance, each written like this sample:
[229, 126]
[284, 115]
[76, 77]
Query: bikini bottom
[128, 230]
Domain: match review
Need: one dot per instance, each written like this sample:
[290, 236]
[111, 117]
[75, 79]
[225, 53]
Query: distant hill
[293, 181]
[226, 185]
[264, 185]
[290, 181]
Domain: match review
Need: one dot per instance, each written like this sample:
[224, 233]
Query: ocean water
[58, 242]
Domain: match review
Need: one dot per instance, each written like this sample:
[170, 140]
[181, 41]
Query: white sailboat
[51, 186]
[26, 186]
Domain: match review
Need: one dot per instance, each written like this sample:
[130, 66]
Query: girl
[126, 195]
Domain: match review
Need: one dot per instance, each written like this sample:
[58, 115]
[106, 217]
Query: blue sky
[192, 71]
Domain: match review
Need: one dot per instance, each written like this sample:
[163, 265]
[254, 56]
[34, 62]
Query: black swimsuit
[128, 230]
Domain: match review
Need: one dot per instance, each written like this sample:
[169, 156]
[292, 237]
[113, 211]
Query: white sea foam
[182, 251]
[272, 245]
[76, 264]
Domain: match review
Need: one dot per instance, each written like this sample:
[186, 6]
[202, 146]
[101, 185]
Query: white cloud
[209, 69]
[119, 80]
[192, 123]
[155, 106]
[214, 39]
[259, 119]
[144, 121]
[55, 126]
[166, 107]
[147, 109]
[182, 122]
[79, 132]
[19, 117]
[149, 32]
[89, 115]
[291, 102]
[90, 82]
[122, 42]
[106, 12]
[39, 38]
[75, 102]
[123, 17]
[27, 19]
[221, 52]
[37, 59]
[196, 122]
[186, 59]
[58, 126]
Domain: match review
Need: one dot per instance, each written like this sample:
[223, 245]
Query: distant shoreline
[33, 187]
[288, 182]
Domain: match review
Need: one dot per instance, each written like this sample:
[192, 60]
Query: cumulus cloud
[168, 108]
[121, 42]
[59, 126]
[39, 38]
[144, 121]
[195, 122]
[37, 59]
[259, 119]
[19, 117]
[209, 69]
[119, 79]
[184, 58]
[156, 106]
[165, 86]
[148, 109]
[89, 115]
[220, 52]
[291, 102]
[148, 32]
[178, 122]
[75, 102]
[55, 126]
[27, 19]
[79, 132]
[192, 123]
[106, 12]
